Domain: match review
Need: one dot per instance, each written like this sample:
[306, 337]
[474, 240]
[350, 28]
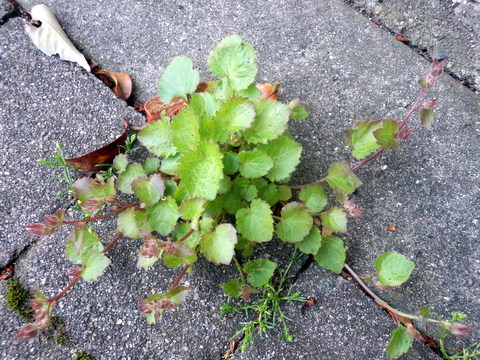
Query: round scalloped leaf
[256, 223]
[157, 137]
[335, 220]
[125, 179]
[270, 121]
[235, 60]
[235, 115]
[87, 189]
[230, 163]
[120, 162]
[130, 222]
[393, 268]
[311, 243]
[232, 288]
[314, 198]
[201, 170]
[285, 154]
[204, 104]
[219, 246]
[148, 190]
[295, 223]
[163, 216]
[331, 255]
[399, 343]
[341, 176]
[151, 165]
[386, 135]
[361, 138]
[178, 80]
[95, 264]
[170, 164]
[297, 111]
[80, 242]
[259, 271]
[254, 164]
[185, 130]
[270, 194]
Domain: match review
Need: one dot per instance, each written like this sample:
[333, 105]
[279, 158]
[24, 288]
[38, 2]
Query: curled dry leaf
[50, 38]
[120, 83]
[104, 155]
[154, 108]
[269, 91]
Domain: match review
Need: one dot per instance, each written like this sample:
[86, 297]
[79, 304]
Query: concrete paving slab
[345, 69]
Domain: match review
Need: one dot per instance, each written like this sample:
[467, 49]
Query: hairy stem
[113, 242]
[95, 218]
[64, 291]
[179, 277]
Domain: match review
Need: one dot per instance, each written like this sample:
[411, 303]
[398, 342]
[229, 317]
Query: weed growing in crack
[216, 185]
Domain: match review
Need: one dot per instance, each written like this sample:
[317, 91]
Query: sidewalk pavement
[344, 69]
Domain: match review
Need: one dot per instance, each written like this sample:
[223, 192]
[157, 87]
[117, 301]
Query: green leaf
[151, 165]
[149, 252]
[335, 220]
[235, 60]
[270, 194]
[204, 104]
[206, 224]
[311, 243]
[225, 185]
[251, 92]
[341, 176]
[218, 247]
[125, 179]
[230, 163]
[399, 343]
[232, 288]
[148, 190]
[185, 128]
[131, 222]
[95, 264]
[170, 188]
[170, 164]
[386, 135]
[285, 154]
[314, 198]
[426, 118]
[157, 137]
[295, 223]
[393, 268]
[120, 163]
[256, 223]
[254, 164]
[297, 111]
[214, 207]
[331, 255]
[163, 216]
[172, 261]
[87, 189]
[178, 80]
[191, 209]
[81, 242]
[235, 115]
[285, 192]
[270, 121]
[259, 271]
[201, 170]
[232, 204]
[360, 138]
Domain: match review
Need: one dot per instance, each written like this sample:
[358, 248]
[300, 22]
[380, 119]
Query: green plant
[215, 185]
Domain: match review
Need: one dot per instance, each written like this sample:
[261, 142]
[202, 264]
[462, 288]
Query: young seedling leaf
[95, 264]
[297, 111]
[148, 190]
[399, 343]
[50, 38]
[178, 80]
[254, 164]
[234, 60]
[331, 255]
[163, 215]
[259, 271]
[132, 222]
[256, 223]
[151, 165]
[270, 121]
[126, 178]
[149, 252]
[314, 197]
[311, 243]
[201, 170]
[393, 268]
[219, 246]
[185, 130]
[120, 163]
[285, 154]
[235, 115]
[232, 288]
[341, 176]
[81, 242]
[335, 220]
[295, 223]
[92, 189]
[360, 138]
[157, 137]
[386, 135]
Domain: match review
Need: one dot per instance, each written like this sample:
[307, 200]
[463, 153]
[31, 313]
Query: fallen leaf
[269, 91]
[104, 155]
[154, 108]
[50, 38]
[6, 273]
[392, 228]
[378, 23]
[207, 86]
[120, 83]
[400, 37]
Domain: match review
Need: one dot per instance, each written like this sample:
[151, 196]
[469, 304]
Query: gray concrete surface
[345, 69]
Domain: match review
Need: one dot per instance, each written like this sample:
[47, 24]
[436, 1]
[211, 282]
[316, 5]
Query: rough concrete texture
[344, 69]
[452, 25]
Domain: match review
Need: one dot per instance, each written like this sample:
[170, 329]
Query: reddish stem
[64, 291]
[186, 235]
[367, 160]
[179, 277]
[113, 242]
[119, 210]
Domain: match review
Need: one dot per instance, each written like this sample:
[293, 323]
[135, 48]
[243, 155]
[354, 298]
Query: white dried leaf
[51, 39]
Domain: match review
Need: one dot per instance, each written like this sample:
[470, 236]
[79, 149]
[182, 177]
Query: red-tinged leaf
[120, 83]
[269, 91]
[5, 274]
[104, 155]
[400, 37]
[207, 86]
[154, 108]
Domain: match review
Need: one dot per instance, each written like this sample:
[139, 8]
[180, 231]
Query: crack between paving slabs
[465, 81]
[16, 11]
